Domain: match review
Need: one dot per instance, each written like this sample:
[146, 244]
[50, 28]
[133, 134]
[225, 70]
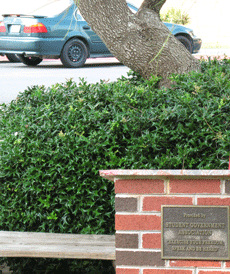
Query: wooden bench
[55, 245]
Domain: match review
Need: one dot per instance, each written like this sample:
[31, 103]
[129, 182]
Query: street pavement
[16, 77]
[213, 52]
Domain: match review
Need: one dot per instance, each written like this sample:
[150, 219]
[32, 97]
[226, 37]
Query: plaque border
[192, 258]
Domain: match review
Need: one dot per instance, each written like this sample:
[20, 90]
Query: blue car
[59, 31]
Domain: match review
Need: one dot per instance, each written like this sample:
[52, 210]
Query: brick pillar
[139, 196]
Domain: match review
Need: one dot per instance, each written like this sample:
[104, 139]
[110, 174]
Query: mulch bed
[211, 57]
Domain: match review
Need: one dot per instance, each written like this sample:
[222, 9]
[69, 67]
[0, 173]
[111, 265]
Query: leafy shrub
[175, 16]
[56, 140]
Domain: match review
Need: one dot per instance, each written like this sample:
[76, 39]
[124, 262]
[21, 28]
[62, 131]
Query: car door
[97, 45]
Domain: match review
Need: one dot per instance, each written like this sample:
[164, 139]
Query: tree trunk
[140, 41]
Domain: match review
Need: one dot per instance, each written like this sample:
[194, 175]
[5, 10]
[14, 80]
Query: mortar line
[222, 187]
[167, 190]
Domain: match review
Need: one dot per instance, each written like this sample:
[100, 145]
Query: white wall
[26, 6]
[210, 18]
[23, 6]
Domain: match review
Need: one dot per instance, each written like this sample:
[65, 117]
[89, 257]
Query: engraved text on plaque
[195, 232]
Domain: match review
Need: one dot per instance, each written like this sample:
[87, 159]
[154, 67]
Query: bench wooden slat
[56, 245]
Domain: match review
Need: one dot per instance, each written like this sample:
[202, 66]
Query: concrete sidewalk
[214, 52]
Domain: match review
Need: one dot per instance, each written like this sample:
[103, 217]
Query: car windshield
[53, 8]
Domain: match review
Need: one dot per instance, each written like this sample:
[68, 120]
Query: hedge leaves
[54, 141]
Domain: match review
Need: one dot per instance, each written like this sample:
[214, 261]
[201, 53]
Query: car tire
[74, 54]
[186, 42]
[13, 58]
[30, 61]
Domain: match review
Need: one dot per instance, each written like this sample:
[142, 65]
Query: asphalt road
[16, 77]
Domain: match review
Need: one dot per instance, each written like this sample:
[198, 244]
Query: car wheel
[74, 54]
[185, 41]
[30, 61]
[13, 58]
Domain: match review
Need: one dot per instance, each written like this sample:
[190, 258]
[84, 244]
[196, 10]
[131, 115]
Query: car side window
[132, 9]
[78, 15]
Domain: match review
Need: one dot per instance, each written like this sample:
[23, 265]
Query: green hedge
[55, 141]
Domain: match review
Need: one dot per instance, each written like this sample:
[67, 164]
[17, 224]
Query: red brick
[166, 271]
[227, 186]
[189, 263]
[137, 222]
[139, 258]
[126, 204]
[126, 240]
[214, 201]
[213, 272]
[194, 186]
[154, 203]
[139, 186]
[228, 264]
[127, 271]
[151, 240]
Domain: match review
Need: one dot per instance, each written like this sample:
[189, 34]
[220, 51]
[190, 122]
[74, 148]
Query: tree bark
[140, 41]
[154, 5]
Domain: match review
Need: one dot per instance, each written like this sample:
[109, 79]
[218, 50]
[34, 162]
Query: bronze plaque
[195, 232]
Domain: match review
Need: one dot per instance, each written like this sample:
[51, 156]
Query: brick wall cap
[164, 174]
